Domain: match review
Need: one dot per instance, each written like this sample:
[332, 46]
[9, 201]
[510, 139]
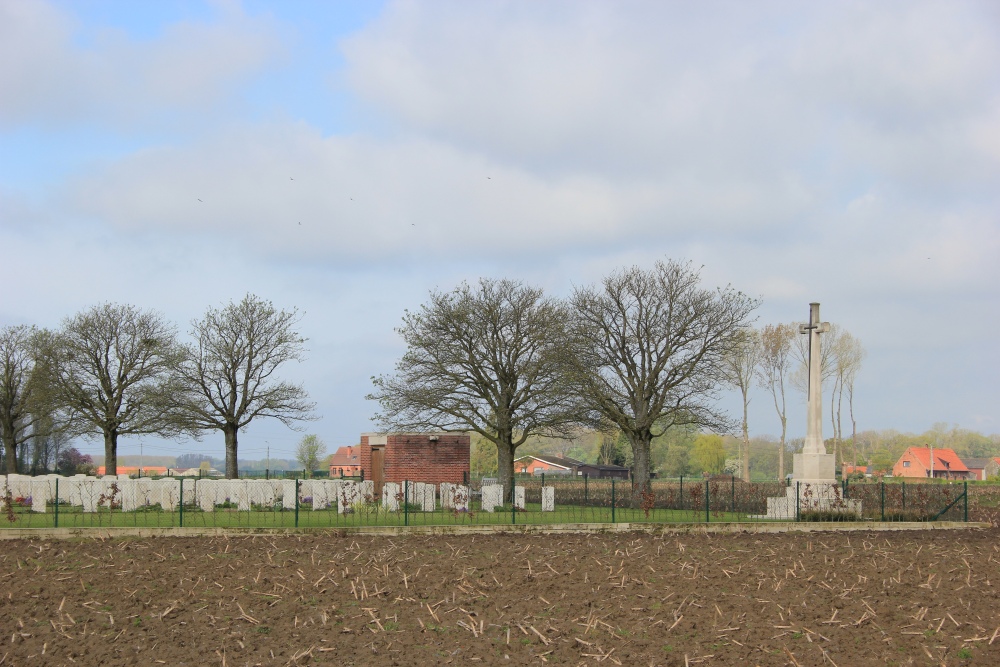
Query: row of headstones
[131, 494]
[493, 497]
[91, 493]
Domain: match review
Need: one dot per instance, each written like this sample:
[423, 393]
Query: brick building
[418, 457]
[918, 462]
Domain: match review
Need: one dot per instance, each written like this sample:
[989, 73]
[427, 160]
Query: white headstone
[519, 497]
[288, 494]
[129, 493]
[548, 498]
[427, 500]
[492, 497]
[460, 498]
[447, 490]
[391, 496]
[347, 497]
[320, 497]
[39, 496]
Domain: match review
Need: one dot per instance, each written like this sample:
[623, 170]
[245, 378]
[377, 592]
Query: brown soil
[923, 598]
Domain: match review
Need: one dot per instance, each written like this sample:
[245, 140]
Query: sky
[344, 159]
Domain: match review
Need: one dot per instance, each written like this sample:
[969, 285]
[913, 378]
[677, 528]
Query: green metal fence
[324, 503]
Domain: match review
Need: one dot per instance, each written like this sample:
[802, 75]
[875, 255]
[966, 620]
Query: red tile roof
[345, 456]
[944, 459]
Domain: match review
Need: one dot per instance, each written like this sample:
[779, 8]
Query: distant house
[147, 471]
[917, 462]
[854, 470]
[345, 462]
[977, 468]
[992, 468]
[558, 465]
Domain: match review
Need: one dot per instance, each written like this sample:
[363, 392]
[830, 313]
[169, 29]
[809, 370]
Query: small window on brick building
[906, 464]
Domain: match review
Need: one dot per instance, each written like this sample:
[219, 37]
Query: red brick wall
[365, 451]
[419, 459]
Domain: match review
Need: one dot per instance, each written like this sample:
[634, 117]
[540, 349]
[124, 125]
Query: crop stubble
[746, 599]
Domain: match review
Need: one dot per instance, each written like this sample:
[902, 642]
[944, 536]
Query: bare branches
[649, 349]
[22, 416]
[227, 376]
[110, 367]
[739, 368]
[485, 358]
[772, 374]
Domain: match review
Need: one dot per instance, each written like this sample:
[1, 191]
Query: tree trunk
[7, 432]
[640, 466]
[746, 438]
[111, 452]
[781, 450]
[232, 466]
[10, 451]
[505, 467]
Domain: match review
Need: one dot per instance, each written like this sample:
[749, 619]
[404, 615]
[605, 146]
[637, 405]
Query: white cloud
[48, 78]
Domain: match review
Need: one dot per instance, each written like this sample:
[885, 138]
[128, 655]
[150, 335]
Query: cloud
[357, 196]
[48, 78]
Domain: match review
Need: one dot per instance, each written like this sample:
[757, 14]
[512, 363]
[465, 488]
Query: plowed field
[896, 598]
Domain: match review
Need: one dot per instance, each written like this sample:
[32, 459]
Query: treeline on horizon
[691, 453]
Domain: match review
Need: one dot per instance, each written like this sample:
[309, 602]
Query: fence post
[883, 500]
[513, 500]
[585, 478]
[798, 490]
[406, 502]
[362, 474]
[966, 501]
[904, 494]
[180, 505]
[612, 500]
[57, 502]
[707, 519]
[682, 492]
[543, 478]
[732, 503]
[296, 502]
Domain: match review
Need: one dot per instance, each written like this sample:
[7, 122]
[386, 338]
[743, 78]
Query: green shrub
[828, 515]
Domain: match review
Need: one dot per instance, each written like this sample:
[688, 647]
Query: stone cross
[814, 421]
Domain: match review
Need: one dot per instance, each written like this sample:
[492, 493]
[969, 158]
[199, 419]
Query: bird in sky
[201, 202]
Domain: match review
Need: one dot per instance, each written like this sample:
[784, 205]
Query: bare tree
[772, 373]
[739, 366]
[849, 356]
[486, 358]
[228, 373]
[21, 418]
[109, 367]
[649, 348]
